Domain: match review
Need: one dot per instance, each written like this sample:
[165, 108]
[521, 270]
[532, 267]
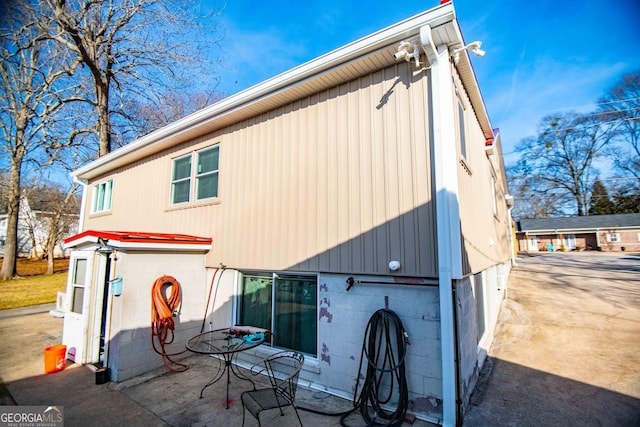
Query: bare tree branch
[32, 92]
[621, 104]
[129, 47]
[559, 162]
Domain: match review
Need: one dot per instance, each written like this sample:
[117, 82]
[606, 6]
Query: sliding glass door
[286, 304]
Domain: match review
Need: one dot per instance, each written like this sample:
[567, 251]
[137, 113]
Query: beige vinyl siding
[484, 235]
[338, 181]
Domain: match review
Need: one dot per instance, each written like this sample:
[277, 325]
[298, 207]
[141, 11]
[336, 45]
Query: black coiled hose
[384, 349]
[385, 373]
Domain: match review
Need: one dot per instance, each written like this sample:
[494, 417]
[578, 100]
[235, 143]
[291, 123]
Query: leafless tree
[131, 49]
[59, 215]
[49, 212]
[34, 87]
[110, 51]
[559, 162]
[621, 105]
[533, 199]
[170, 106]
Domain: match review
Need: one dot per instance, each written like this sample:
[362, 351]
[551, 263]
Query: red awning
[137, 239]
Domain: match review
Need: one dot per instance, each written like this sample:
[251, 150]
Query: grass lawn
[33, 287]
[31, 290]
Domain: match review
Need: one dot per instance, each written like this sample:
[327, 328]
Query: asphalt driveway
[567, 350]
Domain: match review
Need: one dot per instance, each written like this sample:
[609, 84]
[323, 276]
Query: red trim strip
[142, 237]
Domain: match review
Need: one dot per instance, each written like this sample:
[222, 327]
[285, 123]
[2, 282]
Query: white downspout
[447, 222]
[83, 184]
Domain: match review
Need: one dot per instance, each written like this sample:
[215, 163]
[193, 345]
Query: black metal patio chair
[283, 370]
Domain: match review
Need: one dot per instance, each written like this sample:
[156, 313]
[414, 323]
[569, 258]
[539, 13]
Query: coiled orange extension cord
[162, 324]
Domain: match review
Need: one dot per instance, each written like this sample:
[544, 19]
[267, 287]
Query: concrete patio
[157, 398]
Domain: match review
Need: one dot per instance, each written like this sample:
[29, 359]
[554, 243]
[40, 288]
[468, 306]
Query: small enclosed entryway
[108, 292]
[87, 306]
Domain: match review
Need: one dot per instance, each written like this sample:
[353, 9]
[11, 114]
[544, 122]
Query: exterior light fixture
[473, 47]
[403, 53]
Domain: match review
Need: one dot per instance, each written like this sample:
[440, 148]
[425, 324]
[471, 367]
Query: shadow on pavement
[515, 395]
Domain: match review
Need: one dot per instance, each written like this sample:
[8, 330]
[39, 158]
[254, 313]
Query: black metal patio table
[226, 342]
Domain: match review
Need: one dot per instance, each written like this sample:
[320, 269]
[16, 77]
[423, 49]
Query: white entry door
[76, 317]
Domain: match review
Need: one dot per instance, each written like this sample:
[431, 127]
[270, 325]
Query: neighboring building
[33, 227]
[596, 232]
[359, 167]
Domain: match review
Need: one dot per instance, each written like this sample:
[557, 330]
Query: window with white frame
[78, 285]
[195, 176]
[102, 194]
[462, 130]
[613, 237]
[285, 304]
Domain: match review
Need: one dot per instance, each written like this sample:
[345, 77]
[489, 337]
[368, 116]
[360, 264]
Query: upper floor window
[190, 183]
[462, 131]
[102, 194]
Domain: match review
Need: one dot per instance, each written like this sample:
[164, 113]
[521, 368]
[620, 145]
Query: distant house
[33, 227]
[597, 232]
[368, 177]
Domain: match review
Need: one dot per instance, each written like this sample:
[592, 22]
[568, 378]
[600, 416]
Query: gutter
[83, 204]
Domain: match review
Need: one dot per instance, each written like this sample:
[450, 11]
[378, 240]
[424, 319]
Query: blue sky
[542, 57]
